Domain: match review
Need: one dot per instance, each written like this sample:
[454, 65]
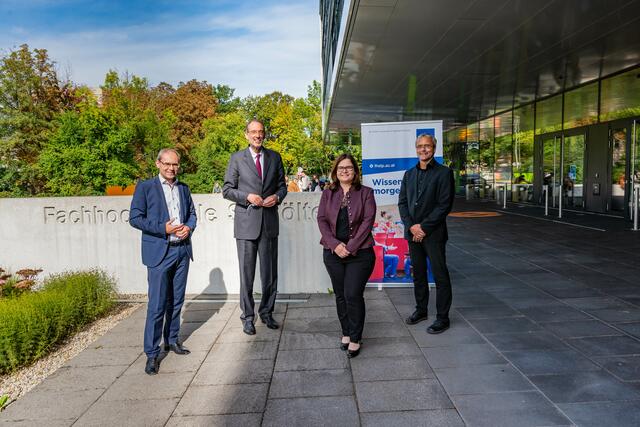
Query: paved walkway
[545, 332]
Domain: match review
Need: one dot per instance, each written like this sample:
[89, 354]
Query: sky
[255, 47]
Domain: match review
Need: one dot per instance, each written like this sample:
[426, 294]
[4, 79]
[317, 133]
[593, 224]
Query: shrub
[33, 323]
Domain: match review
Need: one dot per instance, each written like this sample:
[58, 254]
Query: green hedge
[33, 323]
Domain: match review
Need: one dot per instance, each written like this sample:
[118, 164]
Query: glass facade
[501, 149]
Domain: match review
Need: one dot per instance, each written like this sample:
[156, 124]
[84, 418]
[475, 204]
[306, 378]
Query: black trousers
[248, 250]
[349, 277]
[435, 250]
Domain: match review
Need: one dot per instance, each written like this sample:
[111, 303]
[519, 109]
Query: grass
[35, 322]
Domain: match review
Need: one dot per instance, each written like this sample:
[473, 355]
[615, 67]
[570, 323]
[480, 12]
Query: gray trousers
[248, 250]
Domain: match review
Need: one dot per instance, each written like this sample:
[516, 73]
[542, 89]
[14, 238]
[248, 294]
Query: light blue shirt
[172, 197]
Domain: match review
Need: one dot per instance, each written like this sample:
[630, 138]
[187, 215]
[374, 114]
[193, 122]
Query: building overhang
[464, 60]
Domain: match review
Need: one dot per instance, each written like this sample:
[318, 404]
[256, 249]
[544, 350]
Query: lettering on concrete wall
[289, 211]
[98, 215]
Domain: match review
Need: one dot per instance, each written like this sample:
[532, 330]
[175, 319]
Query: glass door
[551, 168]
[635, 162]
[573, 171]
[618, 168]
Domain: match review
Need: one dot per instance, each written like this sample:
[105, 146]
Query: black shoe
[438, 327]
[353, 353]
[343, 346]
[270, 322]
[416, 317]
[248, 327]
[177, 348]
[152, 366]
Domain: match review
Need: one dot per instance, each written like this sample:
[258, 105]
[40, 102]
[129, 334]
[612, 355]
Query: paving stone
[243, 351]
[522, 409]
[537, 362]
[607, 346]
[232, 420]
[223, 399]
[598, 414]
[311, 312]
[462, 355]
[119, 339]
[554, 314]
[584, 387]
[458, 333]
[390, 368]
[379, 304]
[484, 379]
[318, 300]
[105, 356]
[141, 386]
[199, 342]
[304, 360]
[170, 362]
[625, 368]
[292, 340]
[47, 405]
[37, 423]
[202, 316]
[595, 303]
[432, 418]
[128, 413]
[76, 379]
[388, 347]
[387, 315]
[403, 395]
[617, 314]
[330, 324]
[632, 328]
[311, 411]
[236, 334]
[384, 330]
[580, 328]
[234, 372]
[211, 329]
[504, 325]
[526, 341]
[293, 384]
[487, 312]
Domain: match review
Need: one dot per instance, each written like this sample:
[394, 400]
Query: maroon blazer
[362, 213]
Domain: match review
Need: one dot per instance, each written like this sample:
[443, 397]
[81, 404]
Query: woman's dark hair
[335, 184]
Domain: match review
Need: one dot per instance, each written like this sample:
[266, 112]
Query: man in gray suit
[255, 181]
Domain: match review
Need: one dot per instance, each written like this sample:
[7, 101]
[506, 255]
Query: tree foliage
[57, 138]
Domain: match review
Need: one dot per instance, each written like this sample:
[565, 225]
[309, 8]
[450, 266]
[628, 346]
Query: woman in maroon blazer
[345, 217]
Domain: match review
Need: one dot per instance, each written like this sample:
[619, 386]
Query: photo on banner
[388, 150]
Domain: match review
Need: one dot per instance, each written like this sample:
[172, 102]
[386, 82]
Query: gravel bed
[18, 383]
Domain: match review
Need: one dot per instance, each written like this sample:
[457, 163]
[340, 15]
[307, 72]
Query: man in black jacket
[426, 198]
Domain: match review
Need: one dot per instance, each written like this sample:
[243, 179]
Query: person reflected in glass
[345, 218]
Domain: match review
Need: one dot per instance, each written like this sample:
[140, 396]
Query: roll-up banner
[388, 150]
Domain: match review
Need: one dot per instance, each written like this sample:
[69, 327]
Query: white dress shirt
[172, 197]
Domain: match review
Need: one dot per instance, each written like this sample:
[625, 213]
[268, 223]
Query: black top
[342, 225]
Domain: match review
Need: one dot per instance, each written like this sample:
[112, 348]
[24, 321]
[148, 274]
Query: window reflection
[581, 106]
[549, 115]
[620, 96]
[522, 149]
[618, 166]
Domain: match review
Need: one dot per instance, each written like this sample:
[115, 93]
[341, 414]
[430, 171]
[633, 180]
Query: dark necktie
[258, 166]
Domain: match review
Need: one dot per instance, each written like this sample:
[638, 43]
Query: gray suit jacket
[241, 179]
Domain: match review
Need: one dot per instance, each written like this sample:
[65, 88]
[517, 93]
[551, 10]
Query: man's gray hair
[254, 120]
[165, 151]
[427, 135]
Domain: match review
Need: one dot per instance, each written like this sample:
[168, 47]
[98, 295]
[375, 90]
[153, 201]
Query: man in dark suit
[426, 198]
[162, 208]
[255, 182]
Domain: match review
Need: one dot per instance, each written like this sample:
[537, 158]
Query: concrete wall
[70, 233]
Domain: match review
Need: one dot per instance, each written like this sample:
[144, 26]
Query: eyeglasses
[170, 165]
[425, 147]
[345, 168]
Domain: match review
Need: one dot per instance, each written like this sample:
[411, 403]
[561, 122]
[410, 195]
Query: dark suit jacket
[428, 205]
[241, 179]
[362, 214]
[149, 213]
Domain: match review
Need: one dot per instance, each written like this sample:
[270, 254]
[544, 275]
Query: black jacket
[429, 205]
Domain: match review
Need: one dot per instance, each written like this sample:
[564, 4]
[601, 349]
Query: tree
[227, 103]
[224, 135]
[31, 95]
